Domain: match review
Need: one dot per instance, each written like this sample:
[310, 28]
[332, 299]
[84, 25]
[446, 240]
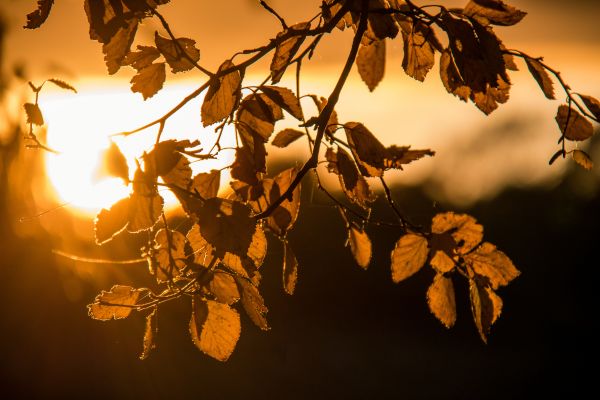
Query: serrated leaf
[253, 303]
[110, 222]
[207, 184]
[142, 58]
[353, 184]
[149, 334]
[203, 251]
[409, 256]
[224, 287]
[34, 114]
[451, 78]
[368, 151]
[62, 84]
[149, 80]
[493, 12]
[116, 304]
[486, 307]
[583, 159]
[36, 18]
[290, 269]
[419, 53]
[170, 259]
[214, 327]
[464, 229]
[491, 263]
[286, 137]
[222, 97]
[572, 124]
[119, 45]
[370, 62]
[592, 104]
[539, 73]
[360, 245]
[286, 50]
[175, 52]
[441, 301]
[180, 175]
[285, 99]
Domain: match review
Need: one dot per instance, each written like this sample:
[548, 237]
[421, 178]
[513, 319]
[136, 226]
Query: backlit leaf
[572, 124]
[583, 159]
[109, 222]
[285, 99]
[253, 303]
[115, 304]
[119, 45]
[224, 287]
[62, 84]
[451, 78]
[397, 156]
[332, 122]
[170, 259]
[34, 114]
[440, 298]
[286, 136]
[290, 269]
[257, 114]
[368, 151]
[486, 307]
[215, 328]
[36, 18]
[541, 76]
[465, 230]
[353, 184]
[142, 58]
[114, 163]
[149, 334]
[180, 175]
[175, 52]
[149, 80]
[409, 256]
[360, 245]
[493, 12]
[222, 97]
[203, 251]
[286, 50]
[371, 63]
[207, 184]
[491, 263]
[418, 51]
[284, 217]
[144, 211]
[592, 104]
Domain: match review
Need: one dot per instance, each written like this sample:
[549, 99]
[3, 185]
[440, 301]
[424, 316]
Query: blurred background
[346, 333]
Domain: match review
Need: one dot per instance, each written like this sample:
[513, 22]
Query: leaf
[224, 287]
[171, 259]
[353, 184]
[493, 12]
[180, 175]
[409, 256]
[114, 163]
[109, 223]
[115, 304]
[284, 217]
[215, 328]
[166, 156]
[451, 78]
[572, 124]
[418, 51]
[592, 104]
[285, 99]
[397, 156]
[34, 114]
[583, 159]
[178, 54]
[443, 248]
[290, 269]
[440, 298]
[286, 50]
[142, 58]
[149, 334]
[256, 117]
[371, 63]
[368, 151]
[253, 303]
[465, 230]
[149, 80]
[244, 167]
[119, 45]
[286, 136]
[62, 84]
[207, 184]
[332, 122]
[222, 97]
[106, 17]
[202, 250]
[538, 71]
[36, 18]
[360, 245]
[491, 263]
[486, 307]
[145, 211]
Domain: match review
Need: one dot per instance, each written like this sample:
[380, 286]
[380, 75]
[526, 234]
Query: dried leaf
[284, 217]
[115, 304]
[224, 287]
[34, 114]
[175, 52]
[286, 136]
[286, 50]
[285, 99]
[290, 269]
[582, 158]
[353, 184]
[207, 184]
[491, 263]
[409, 256]
[170, 260]
[465, 230]
[119, 45]
[592, 104]
[440, 298]
[451, 78]
[222, 97]
[253, 303]
[368, 151]
[144, 211]
[371, 63]
[538, 71]
[142, 58]
[36, 18]
[149, 80]
[256, 116]
[397, 156]
[180, 175]
[244, 167]
[215, 328]
[572, 124]
[62, 84]
[202, 250]
[149, 334]
[418, 52]
[109, 223]
[486, 307]
[114, 163]
[332, 122]
[493, 12]
[360, 245]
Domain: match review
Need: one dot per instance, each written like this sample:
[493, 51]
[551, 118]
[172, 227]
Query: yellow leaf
[222, 96]
[144, 211]
[149, 80]
[465, 230]
[170, 262]
[491, 263]
[149, 334]
[215, 328]
[253, 303]
[360, 245]
[440, 298]
[572, 124]
[224, 287]
[370, 62]
[486, 307]
[409, 256]
[203, 251]
[290, 269]
[115, 304]
[441, 262]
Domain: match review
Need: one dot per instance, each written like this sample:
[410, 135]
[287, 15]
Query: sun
[80, 128]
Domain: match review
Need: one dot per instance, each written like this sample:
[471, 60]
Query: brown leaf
[285, 99]
[582, 158]
[253, 303]
[332, 122]
[36, 18]
[486, 307]
[224, 287]
[257, 115]
[290, 269]
[109, 223]
[541, 76]
[149, 80]
[371, 63]
[465, 230]
[491, 263]
[592, 104]
[170, 260]
[115, 304]
[180, 175]
[440, 298]
[353, 184]
[207, 184]
[409, 256]
[286, 136]
[360, 245]
[493, 12]
[166, 156]
[284, 217]
[62, 84]
[119, 45]
[34, 114]
[451, 78]
[114, 163]
[142, 58]
[149, 334]
[380, 26]
[418, 51]
[215, 328]
[144, 211]
[245, 166]
[222, 97]
[572, 124]
[368, 151]
[397, 156]
[286, 50]
[175, 52]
